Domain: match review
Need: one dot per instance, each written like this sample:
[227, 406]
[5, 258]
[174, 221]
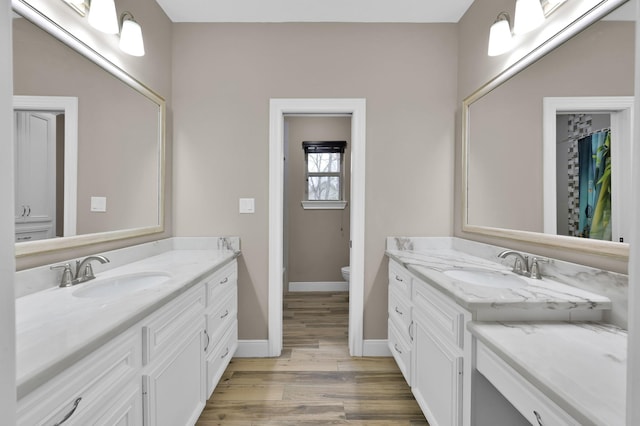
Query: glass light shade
[500, 39]
[131, 41]
[529, 16]
[103, 17]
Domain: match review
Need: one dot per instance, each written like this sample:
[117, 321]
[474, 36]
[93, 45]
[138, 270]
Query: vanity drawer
[220, 316]
[400, 311]
[401, 350]
[81, 392]
[400, 278]
[166, 326]
[442, 313]
[221, 280]
[536, 407]
[220, 355]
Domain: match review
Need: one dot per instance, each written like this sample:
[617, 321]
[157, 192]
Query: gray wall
[223, 78]
[318, 239]
[153, 69]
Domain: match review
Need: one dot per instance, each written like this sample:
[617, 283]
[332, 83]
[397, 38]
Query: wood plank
[315, 382]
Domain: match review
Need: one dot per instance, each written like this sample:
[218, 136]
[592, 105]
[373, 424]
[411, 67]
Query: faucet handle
[535, 267]
[67, 275]
[519, 267]
[87, 274]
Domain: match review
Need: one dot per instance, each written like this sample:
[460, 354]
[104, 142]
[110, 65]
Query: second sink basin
[484, 278]
[121, 285]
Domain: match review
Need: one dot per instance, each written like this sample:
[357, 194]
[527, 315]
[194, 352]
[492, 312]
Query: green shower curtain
[595, 185]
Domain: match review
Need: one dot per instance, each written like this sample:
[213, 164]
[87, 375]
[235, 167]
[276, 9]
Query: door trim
[356, 108]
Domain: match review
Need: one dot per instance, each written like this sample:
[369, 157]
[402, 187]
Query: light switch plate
[98, 204]
[247, 205]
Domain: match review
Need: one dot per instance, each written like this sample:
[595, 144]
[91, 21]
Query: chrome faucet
[83, 273]
[521, 264]
[84, 266]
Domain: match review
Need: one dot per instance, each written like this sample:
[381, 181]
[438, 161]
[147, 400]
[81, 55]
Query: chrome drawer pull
[538, 417]
[226, 314]
[70, 413]
[225, 354]
[225, 280]
[399, 311]
[24, 238]
[208, 340]
[396, 348]
[399, 279]
[411, 331]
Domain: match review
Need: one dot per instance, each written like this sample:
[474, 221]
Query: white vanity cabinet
[222, 325]
[103, 388]
[173, 354]
[427, 338]
[400, 318]
[159, 372]
[438, 350]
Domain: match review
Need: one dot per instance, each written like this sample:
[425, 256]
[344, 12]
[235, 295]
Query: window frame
[324, 147]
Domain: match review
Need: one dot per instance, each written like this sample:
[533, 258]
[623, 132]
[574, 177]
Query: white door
[35, 183]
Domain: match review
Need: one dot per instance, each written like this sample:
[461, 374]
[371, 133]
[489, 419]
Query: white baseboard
[376, 348]
[319, 286]
[260, 348]
[252, 349]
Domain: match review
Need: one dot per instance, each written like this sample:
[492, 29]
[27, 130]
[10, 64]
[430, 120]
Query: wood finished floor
[315, 381]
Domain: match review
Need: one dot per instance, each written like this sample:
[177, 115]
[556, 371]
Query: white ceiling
[315, 10]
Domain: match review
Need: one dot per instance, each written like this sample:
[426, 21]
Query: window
[324, 175]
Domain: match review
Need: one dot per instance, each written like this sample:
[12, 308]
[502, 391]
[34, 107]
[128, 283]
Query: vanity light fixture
[103, 16]
[529, 16]
[500, 37]
[131, 41]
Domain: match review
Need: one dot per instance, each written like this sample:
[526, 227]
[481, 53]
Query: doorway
[356, 108]
[316, 202]
[617, 113]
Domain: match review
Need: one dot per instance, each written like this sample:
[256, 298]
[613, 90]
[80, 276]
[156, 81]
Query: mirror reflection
[528, 139]
[90, 169]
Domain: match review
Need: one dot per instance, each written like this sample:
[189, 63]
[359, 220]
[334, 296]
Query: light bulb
[131, 41]
[103, 17]
[500, 39]
[529, 16]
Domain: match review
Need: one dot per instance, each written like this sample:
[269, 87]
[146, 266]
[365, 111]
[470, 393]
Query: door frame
[278, 108]
[68, 104]
[621, 109]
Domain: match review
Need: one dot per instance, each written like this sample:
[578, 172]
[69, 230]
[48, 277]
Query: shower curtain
[595, 185]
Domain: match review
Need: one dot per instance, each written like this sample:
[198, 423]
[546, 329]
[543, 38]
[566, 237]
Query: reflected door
[35, 149]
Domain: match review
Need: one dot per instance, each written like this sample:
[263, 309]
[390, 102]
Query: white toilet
[346, 270]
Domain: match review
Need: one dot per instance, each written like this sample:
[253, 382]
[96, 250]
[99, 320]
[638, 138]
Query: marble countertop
[54, 329]
[579, 366]
[545, 294]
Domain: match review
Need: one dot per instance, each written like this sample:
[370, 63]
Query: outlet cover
[98, 204]
[247, 205]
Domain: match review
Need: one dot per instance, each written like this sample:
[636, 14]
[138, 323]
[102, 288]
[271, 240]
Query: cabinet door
[174, 391]
[437, 383]
[35, 146]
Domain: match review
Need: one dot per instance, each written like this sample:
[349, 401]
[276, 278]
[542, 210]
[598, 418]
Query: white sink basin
[484, 278]
[121, 285]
